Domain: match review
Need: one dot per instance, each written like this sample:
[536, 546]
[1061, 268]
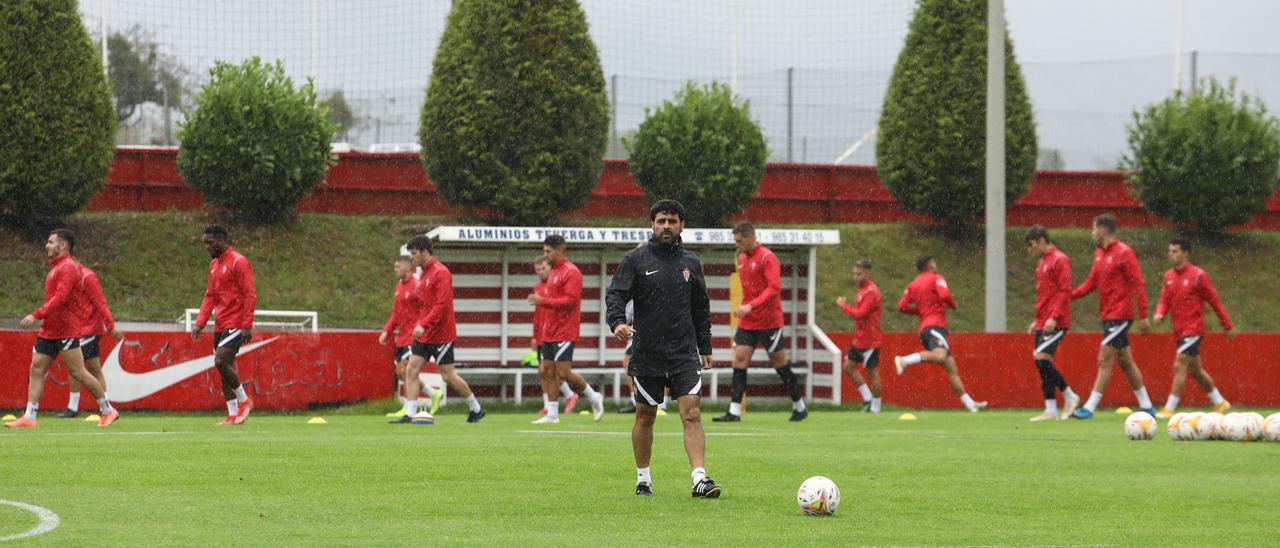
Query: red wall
[395, 183]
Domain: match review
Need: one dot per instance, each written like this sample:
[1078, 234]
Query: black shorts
[869, 358]
[402, 354]
[650, 390]
[1190, 346]
[561, 351]
[1048, 344]
[770, 339]
[1115, 333]
[442, 354]
[230, 338]
[934, 337]
[53, 347]
[89, 347]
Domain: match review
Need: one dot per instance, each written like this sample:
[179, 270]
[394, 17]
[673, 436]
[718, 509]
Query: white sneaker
[597, 407]
[1069, 406]
[1046, 416]
[898, 363]
[548, 420]
[978, 406]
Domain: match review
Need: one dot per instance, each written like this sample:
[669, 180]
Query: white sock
[735, 408]
[643, 476]
[911, 359]
[104, 406]
[1172, 403]
[1051, 406]
[875, 405]
[427, 389]
[233, 408]
[798, 405]
[1143, 399]
[32, 409]
[553, 409]
[665, 399]
[1215, 397]
[967, 401]
[547, 401]
[240, 395]
[473, 403]
[565, 389]
[589, 392]
[1095, 398]
[1067, 393]
[411, 407]
[865, 392]
[698, 474]
[73, 402]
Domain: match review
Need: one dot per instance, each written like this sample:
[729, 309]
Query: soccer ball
[1174, 426]
[1253, 423]
[1271, 428]
[818, 496]
[1140, 426]
[1233, 427]
[1189, 428]
[1208, 427]
[423, 418]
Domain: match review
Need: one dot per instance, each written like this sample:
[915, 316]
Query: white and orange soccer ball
[1140, 426]
[1233, 427]
[1271, 428]
[1253, 426]
[1208, 427]
[1189, 428]
[1174, 427]
[818, 496]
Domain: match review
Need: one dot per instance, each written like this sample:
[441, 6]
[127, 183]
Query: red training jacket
[435, 292]
[230, 297]
[563, 303]
[1116, 275]
[61, 300]
[539, 312]
[928, 297]
[405, 308]
[761, 276]
[1183, 296]
[93, 306]
[866, 316]
[1053, 289]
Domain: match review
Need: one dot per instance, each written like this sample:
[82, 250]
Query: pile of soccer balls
[1248, 426]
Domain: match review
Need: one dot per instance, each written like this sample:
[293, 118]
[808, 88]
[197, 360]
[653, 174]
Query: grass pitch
[949, 478]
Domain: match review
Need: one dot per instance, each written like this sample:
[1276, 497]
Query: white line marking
[101, 434]
[48, 520]
[590, 433]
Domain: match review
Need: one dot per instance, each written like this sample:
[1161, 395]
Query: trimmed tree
[703, 149]
[931, 150]
[516, 118]
[255, 144]
[55, 108]
[1206, 160]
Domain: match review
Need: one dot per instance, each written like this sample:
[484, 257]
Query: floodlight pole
[995, 294]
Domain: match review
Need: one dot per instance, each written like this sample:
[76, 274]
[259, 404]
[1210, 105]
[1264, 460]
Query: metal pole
[995, 294]
[102, 28]
[1194, 62]
[791, 72]
[315, 35]
[613, 116]
[1177, 45]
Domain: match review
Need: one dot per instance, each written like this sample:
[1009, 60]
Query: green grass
[949, 478]
[152, 267]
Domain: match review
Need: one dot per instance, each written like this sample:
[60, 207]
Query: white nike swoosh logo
[647, 273]
[127, 387]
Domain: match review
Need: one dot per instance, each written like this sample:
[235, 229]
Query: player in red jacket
[865, 350]
[1051, 323]
[97, 322]
[60, 331]
[929, 297]
[1118, 278]
[1186, 290]
[542, 268]
[230, 298]
[561, 308]
[435, 330]
[399, 329]
[759, 322]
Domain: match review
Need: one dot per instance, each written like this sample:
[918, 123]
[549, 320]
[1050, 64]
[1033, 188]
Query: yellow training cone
[92, 418]
[317, 420]
[584, 412]
[907, 417]
[1123, 411]
[9, 418]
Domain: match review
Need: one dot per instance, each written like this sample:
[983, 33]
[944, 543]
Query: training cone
[9, 418]
[317, 420]
[907, 417]
[92, 418]
[1123, 411]
[584, 412]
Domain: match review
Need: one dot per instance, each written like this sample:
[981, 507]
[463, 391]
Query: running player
[1053, 319]
[759, 322]
[1117, 277]
[97, 322]
[60, 331]
[230, 298]
[928, 297]
[563, 318]
[866, 335]
[1186, 290]
[672, 333]
[542, 267]
[399, 328]
[435, 332]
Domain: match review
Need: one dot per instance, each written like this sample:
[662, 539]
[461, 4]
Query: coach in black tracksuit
[672, 338]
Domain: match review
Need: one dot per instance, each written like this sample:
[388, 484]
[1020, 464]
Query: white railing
[302, 320]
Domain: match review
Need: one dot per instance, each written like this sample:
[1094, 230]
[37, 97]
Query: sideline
[48, 520]
[656, 434]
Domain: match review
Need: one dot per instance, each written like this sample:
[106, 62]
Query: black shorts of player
[1189, 346]
[230, 338]
[53, 347]
[442, 354]
[934, 337]
[89, 347]
[650, 390]
[869, 358]
[1115, 333]
[1048, 343]
[770, 339]
[561, 351]
[402, 354]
